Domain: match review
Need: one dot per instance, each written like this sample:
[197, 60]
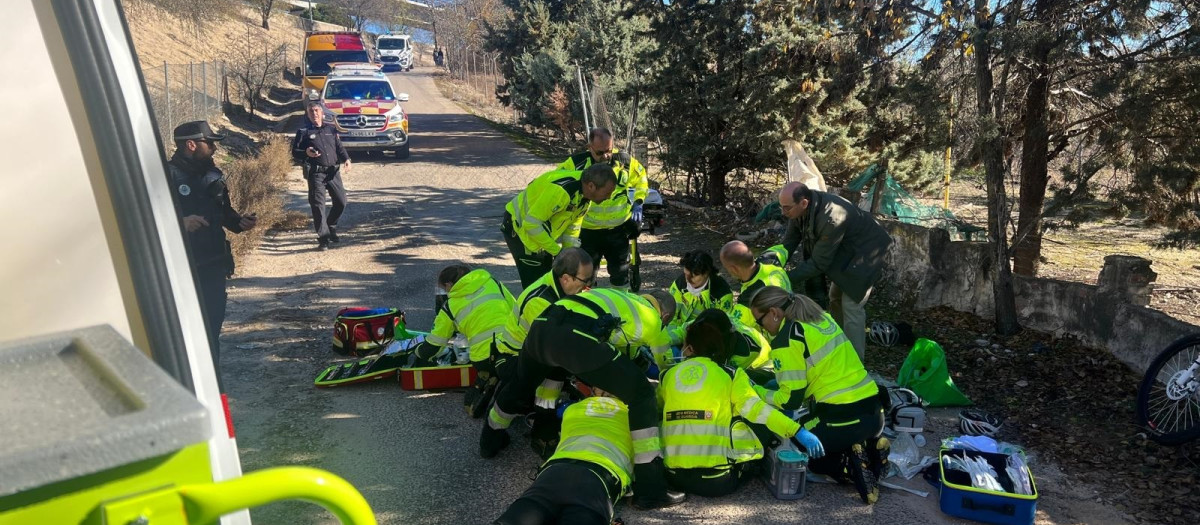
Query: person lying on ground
[592, 336]
[590, 471]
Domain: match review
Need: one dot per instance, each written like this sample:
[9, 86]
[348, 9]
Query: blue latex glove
[810, 443]
[637, 213]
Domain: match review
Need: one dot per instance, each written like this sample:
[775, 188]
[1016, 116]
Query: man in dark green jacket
[841, 242]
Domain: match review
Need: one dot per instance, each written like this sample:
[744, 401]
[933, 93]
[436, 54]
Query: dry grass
[160, 37]
[262, 160]
[256, 183]
[1078, 254]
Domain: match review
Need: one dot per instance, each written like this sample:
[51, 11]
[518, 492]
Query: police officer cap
[195, 130]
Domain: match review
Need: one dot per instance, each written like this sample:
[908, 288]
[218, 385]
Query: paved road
[413, 455]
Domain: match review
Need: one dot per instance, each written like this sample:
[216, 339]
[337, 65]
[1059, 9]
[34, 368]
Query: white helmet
[884, 333]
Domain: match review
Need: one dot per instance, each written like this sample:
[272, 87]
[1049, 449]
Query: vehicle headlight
[398, 117]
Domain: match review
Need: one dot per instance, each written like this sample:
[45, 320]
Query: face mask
[696, 291]
[439, 298]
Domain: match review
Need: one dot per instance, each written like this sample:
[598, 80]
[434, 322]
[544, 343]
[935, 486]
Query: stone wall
[927, 269]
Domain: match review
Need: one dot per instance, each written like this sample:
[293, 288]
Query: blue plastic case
[965, 501]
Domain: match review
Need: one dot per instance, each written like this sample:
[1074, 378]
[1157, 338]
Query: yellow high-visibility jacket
[548, 213]
[817, 362]
[618, 208]
[699, 400]
[477, 306]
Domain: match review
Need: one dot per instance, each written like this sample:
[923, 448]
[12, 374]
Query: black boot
[333, 235]
[878, 450]
[858, 468]
[492, 441]
[650, 490]
[479, 397]
[543, 437]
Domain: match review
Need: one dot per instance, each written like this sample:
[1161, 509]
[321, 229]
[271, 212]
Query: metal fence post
[204, 82]
[192, 89]
[167, 93]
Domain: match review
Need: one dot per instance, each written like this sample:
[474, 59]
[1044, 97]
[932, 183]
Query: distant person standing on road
[202, 202]
[318, 146]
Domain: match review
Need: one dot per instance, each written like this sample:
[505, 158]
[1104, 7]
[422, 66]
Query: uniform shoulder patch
[797, 331]
[185, 190]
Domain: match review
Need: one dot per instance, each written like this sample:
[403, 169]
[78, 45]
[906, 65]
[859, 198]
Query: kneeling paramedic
[708, 410]
[699, 288]
[816, 363]
[477, 306]
[591, 336]
[589, 472]
[571, 273]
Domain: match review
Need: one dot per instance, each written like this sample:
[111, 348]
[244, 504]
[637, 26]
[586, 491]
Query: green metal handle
[206, 503]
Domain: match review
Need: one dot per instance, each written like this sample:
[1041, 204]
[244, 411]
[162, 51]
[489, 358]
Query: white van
[395, 52]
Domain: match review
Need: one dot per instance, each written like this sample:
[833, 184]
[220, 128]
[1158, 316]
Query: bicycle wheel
[1168, 402]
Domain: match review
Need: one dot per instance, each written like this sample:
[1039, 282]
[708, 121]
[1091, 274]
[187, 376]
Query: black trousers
[210, 283]
[530, 266]
[612, 245]
[840, 427]
[708, 482]
[322, 181]
[567, 492]
[555, 346]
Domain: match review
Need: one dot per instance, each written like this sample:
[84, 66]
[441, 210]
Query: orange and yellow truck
[322, 48]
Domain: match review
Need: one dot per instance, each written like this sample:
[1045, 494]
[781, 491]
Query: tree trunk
[716, 188]
[992, 152]
[264, 8]
[1034, 154]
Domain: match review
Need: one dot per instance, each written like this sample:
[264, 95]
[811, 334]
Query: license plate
[362, 133]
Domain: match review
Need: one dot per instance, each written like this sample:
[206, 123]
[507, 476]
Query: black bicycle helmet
[978, 423]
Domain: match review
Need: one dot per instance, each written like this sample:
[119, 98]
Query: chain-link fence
[185, 92]
[203, 90]
[478, 72]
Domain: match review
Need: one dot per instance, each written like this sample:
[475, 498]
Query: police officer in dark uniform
[318, 146]
[202, 201]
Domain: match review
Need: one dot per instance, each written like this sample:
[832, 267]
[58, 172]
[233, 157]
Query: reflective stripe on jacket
[618, 208]
[596, 430]
[700, 401]
[529, 306]
[640, 324]
[716, 294]
[477, 306]
[817, 362]
[547, 214]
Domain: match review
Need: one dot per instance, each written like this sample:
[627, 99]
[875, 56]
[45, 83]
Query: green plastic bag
[925, 372]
